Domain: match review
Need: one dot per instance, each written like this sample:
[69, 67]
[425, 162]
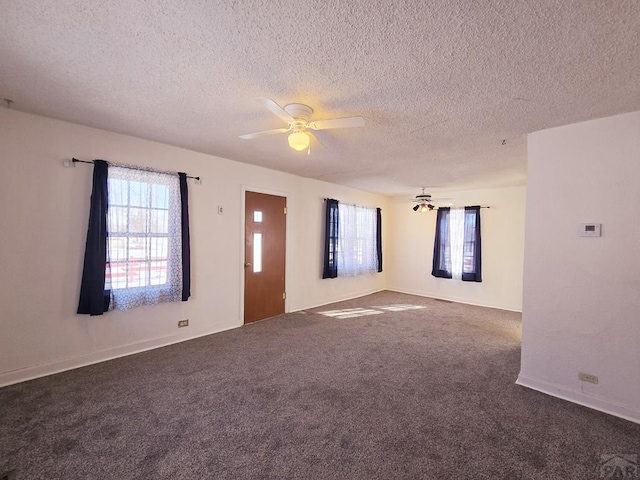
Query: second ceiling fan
[425, 203]
[299, 123]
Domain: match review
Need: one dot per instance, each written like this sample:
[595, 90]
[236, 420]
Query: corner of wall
[580, 398]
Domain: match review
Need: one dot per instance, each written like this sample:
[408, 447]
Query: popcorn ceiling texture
[439, 83]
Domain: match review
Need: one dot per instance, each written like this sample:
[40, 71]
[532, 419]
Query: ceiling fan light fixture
[416, 207]
[299, 141]
[424, 208]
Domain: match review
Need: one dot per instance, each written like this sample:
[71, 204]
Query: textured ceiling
[440, 83]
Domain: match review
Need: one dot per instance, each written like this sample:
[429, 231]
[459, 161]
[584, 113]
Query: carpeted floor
[397, 393]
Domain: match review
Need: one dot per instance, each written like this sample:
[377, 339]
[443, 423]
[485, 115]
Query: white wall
[582, 295]
[43, 219]
[411, 236]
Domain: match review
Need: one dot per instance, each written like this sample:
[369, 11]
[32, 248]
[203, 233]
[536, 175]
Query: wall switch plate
[590, 229]
[183, 323]
[587, 377]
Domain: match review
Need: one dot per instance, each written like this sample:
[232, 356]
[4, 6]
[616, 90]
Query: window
[353, 240]
[457, 247]
[356, 240]
[144, 263]
[137, 250]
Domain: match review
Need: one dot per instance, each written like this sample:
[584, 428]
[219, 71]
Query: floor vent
[8, 475]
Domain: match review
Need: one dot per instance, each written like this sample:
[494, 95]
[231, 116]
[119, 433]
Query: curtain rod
[355, 205]
[350, 204]
[75, 160]
[438, 208]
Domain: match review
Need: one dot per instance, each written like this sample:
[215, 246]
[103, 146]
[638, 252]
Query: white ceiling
[440, 84]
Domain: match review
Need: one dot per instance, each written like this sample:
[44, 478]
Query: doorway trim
[288, 246]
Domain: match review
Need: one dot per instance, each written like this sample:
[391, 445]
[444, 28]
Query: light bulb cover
[299, 141]
[424, 208]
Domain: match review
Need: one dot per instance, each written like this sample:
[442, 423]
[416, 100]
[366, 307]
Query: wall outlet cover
[587, 377]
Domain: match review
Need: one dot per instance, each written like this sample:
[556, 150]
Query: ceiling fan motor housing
[299, 111]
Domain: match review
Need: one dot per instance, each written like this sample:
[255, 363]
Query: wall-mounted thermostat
[590, 229]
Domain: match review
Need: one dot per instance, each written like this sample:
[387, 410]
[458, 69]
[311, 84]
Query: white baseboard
[42, 370]
[510, 308]
[341, 298]
[580, 398]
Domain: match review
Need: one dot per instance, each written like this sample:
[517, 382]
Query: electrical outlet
[587, 377]
[183, 323]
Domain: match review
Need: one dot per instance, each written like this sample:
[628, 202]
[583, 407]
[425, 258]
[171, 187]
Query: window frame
[471, 268]
[128, 235]
[362, 237]
[124, 298]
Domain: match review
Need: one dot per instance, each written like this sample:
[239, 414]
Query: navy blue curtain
[94, 299]
[330, 269]
[441, 254]
[472, 245]
[186, 249]
[379, 237]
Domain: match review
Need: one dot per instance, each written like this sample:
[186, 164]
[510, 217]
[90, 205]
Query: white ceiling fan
[299, 123]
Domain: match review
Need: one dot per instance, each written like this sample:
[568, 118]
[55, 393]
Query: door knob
[247, 265]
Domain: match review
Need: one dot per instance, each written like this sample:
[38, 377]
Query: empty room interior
[319, 240]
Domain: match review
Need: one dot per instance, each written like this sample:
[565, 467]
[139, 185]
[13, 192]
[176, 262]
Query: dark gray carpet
[423, 393]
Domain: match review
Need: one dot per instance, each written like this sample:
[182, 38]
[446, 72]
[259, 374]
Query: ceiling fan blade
[276, 109]
[318, 143]
[249, 136]
[337, 123]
